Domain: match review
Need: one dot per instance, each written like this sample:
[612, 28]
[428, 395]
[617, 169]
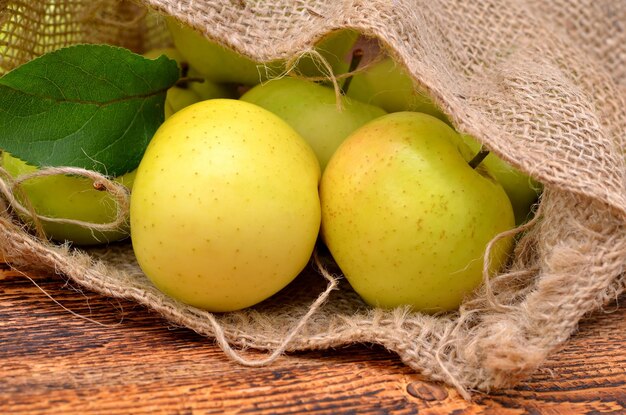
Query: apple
[335, 48]
[222, 65]
[69, 197]
[216, 62]
[406, 218]
[170, 52]
[522, 190]
[206, 89]
[225, 210]
[176, 98]
[179, 97]
[311, 109]
[387, 84]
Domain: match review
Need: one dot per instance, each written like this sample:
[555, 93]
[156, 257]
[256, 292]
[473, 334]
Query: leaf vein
[94, 76]
[90, 102]
[131, 123]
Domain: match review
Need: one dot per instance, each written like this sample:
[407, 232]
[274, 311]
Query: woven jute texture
[541, 83]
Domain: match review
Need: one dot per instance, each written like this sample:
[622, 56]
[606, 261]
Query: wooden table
[119, 358]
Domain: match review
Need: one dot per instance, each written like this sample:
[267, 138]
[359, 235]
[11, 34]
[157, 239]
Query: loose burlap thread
[542, 84]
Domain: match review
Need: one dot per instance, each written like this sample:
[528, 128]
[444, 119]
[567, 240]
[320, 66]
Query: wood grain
[86, 354]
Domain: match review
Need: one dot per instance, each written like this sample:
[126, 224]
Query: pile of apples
[236, 188]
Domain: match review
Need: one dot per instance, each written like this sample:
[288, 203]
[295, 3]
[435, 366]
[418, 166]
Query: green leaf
[89, 106]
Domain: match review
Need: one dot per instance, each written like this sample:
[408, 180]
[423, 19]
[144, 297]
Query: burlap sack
[542, 83]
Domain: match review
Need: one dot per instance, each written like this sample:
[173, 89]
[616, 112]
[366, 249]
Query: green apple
[200, 86]
[171, 53]
[388, 85]
[406, 218]
[206, 89]
[335, 49]
[178, 97]
[225, 210]
[69, 197]
[522, 190]
[222, 65]
[311, 109]
[216, 62]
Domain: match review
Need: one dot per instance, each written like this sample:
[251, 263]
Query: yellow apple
[406, 218]
[225, 210]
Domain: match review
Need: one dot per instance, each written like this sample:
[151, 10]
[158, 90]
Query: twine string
[224, 344]
[11, 189]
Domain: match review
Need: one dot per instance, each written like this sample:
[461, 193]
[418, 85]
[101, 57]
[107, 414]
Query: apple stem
[184, 69]
[479, 157]
[357, 55]
[182, 82]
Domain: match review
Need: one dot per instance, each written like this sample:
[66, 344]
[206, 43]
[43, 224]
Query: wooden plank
[120, 358]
